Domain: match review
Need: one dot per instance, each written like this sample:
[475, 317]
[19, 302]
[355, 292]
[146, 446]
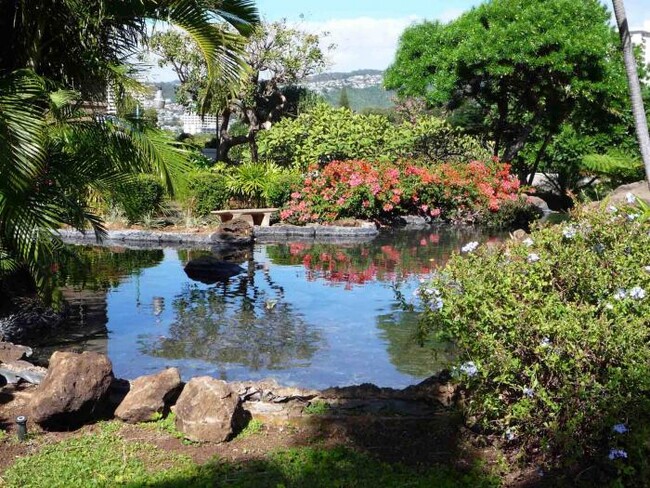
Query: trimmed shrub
[553, 335]
[207, 191]
[139, 197]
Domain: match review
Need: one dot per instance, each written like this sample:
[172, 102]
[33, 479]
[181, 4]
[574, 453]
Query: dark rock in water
[72, 390]
[209, 270]
[16, 370]
[207, 410]
[149, 395]
[12, 352]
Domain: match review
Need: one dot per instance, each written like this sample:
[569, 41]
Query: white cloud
[365, 42]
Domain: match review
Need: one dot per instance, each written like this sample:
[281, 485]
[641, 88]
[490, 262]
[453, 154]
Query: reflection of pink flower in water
[434, 238]
[423, 242]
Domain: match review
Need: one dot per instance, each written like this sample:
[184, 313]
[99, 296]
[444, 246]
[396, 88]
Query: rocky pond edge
[80, 388]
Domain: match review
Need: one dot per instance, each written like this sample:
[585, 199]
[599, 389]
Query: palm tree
[638, 110]
[54, 56]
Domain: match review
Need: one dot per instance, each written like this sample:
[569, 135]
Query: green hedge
[207, 191]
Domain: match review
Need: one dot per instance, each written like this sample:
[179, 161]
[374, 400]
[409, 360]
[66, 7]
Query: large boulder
[149, 396]
[206, 410]
[639, 189]
[72, 390]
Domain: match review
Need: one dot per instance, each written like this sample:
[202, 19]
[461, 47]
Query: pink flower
[388, 207]
[435, 212]
[295, 195]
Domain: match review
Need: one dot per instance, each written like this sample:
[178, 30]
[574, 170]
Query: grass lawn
[106, 458]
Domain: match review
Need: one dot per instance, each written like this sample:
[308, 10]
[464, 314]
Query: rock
[638, 189]
[72, 389]
[149, 395]
[519, 235]
[15, 370]
[210, 270]
[11, 352]
[539, 203]
[206, 410]
[269, 391]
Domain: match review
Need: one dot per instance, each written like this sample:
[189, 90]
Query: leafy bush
[359, 189]
[280, 187]
[554, 336]
[326, 134]
[207, 191]
[139, 197]
[249, 181]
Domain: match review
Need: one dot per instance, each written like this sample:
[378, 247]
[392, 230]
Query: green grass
[254, 427]
[317, 407]
[105, 459]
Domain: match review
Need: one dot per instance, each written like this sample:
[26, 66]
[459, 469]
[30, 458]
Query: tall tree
[524, 64]
[278, 57]
[640, 120]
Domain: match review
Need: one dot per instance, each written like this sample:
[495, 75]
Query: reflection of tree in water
[100, 268]
[238, 322]
[400, 330]
[391, 257]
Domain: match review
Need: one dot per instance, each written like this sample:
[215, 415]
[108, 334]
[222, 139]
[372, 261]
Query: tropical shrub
[280, 187]
[139, 197]
[207, 191]
[360, 189]
[553, 335]
[248, 181]
[326, 134]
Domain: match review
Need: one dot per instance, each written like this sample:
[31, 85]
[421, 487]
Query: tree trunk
[638, 110]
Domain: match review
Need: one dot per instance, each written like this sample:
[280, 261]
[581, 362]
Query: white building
[195, 124]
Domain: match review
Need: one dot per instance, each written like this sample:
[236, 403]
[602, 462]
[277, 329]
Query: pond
[305, 313]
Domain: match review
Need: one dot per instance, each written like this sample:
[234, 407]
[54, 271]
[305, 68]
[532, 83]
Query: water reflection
[307, 313]
[224, 326]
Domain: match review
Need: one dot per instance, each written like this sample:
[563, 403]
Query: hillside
[365, 88]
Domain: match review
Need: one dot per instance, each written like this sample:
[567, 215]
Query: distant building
[195, 124]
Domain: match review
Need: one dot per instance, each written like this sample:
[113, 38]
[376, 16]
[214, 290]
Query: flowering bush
[554, 335]
[360, 189]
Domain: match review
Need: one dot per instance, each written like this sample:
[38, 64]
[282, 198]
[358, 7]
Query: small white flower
[510, 434]
[633, 217]
[435, 305]
[620, 294]
[630, 198]
[528, 242]
[546, 342]
[612, 209]
[569, 232]
[617, 454]
[646, 269]
[599, 247]
[469, 368]
[609, 306]
[529, 392]
[533, 258]
[620, 428]
[637, 293]
[469, 247]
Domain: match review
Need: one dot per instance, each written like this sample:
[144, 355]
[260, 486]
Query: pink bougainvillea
[376, 190]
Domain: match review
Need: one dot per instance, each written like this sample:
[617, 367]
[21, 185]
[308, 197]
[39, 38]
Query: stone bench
[254, 216]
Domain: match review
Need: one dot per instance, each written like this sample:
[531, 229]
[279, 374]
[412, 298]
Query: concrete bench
[254, 216]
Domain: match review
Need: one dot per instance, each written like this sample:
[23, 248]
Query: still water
[305, 313]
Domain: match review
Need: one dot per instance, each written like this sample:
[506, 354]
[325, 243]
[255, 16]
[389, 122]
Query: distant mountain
[365, 88]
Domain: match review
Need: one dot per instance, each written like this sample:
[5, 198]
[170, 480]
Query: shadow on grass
[311, 467]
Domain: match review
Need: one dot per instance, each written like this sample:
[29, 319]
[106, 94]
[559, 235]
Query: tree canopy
[527, 65]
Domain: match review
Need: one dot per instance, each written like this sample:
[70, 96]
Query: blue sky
[366, 32]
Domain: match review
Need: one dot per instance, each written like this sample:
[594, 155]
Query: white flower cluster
[469, 247]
